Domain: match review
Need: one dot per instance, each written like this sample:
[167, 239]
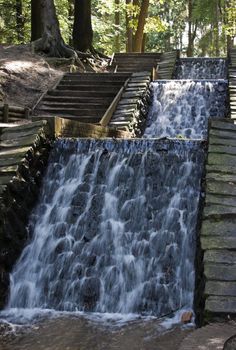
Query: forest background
[196, 27]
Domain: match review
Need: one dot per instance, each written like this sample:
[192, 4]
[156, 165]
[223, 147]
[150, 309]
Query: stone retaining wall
[24, 152]
[218, 232]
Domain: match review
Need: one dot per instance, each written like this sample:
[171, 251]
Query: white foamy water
[113, 231]
[182, 108]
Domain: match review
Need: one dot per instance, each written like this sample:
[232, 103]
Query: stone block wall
[24, 152]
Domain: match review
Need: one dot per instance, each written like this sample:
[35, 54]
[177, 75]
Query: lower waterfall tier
[114, 229]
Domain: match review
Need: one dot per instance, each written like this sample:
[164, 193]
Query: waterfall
[115, 225]
[114, 229]
[202, 68]
[181, 108]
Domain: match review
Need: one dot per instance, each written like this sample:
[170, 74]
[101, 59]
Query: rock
[186, 317]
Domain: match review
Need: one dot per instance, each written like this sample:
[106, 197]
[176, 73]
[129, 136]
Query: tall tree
[192, 29]
[51, 41]
[117, 25]
[82, 29]
[19, 21]
[36, 20]
[138, 40]
[129, 31]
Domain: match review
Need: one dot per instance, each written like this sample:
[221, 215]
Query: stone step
[73, 111]
[72, 93]
[96, 76]
[221, 188]
[91, 83]
[223, 134]
[221, 200]
[221, 305]
[221, 177]
[77, 99]
[227, 125]
[220, 256]
[217, 210]
[216, 242]
[82, 106]
[222, 149]
[221, 169]
[218, 159]
[91, 89]
[20, 142]
[220, 288]
[214, 140]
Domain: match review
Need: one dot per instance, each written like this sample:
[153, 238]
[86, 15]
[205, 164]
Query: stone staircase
[81, 96]
[232, 83]
[218, 233]
[135, 62]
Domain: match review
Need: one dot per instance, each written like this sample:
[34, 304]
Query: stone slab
[218, 210]
[220, 288]
[221, 188]
[219, 242]
[222, 256]
[221, 169]
[219, 159]
[5, 179]
[223, 227]
[8, 169]
[22, 133]
[221, 200]
[217, 304]
[23, 127]
[216, 124]
[223, 133]
[218, 141]
[220, 272]
[222, 149]
[221, 177]
[21, 142]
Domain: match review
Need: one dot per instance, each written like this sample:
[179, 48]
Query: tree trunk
[117, 24]
[190, 39]
[82, 30]
[51, 42]
[70, 19]
[216, 31]
[19, 21]
[36, 20]
[138, 40]
[129, 31]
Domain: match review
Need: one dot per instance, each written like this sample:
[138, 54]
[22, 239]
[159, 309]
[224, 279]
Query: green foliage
[166, 25]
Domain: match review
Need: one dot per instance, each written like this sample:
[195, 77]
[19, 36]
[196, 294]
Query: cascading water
[202, 68]
[181, 108]
[113, 229]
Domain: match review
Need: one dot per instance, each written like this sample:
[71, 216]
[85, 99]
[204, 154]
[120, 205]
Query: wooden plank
[111, 109]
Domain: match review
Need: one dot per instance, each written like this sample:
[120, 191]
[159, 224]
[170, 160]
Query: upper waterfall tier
[181, 108]
[114, 229]
[202, 68]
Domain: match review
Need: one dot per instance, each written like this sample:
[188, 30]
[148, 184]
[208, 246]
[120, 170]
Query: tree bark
[19, 21]
[82, 29]
[117, 24]
[138, 40]
[129, 31]
[71, 19]
[51, 42]
[217, 31]
[36, 20]
[190, 39]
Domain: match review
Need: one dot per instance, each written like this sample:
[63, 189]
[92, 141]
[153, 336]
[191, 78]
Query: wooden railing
[11, 113]
[111, 109]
